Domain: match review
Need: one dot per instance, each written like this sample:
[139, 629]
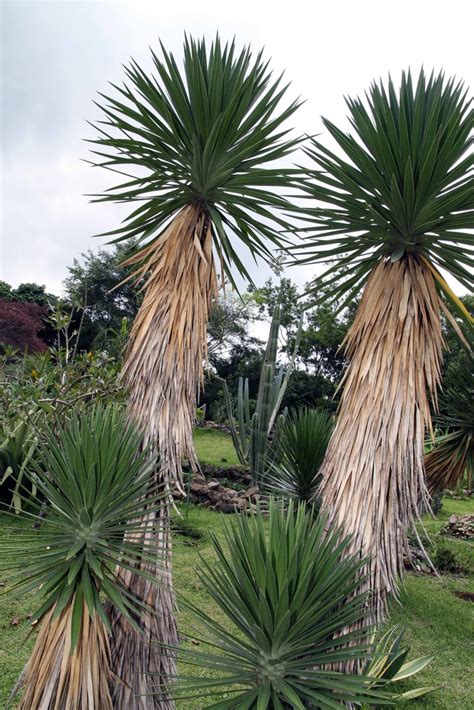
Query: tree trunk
[142, 662]
[58, 677]
[163, 371]
[373, 475]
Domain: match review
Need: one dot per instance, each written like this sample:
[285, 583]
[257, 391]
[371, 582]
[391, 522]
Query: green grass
[215, 447]
[437, 622]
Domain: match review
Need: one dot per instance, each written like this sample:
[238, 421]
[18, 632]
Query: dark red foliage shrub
[19, 325]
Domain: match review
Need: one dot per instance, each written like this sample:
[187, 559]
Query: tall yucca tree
[202, 140]
[394, 207]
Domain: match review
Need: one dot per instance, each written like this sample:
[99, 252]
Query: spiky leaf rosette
[204, 139]
[392, 207]
[283, 591]
[301, 445]
[452, 452]
[402, 185]
[93, 479]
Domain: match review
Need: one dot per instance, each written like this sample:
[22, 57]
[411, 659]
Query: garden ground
[437, 622]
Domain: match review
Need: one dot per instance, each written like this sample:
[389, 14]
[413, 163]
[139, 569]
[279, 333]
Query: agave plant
[300, 449]
[93, 480]
[388, 662]
[203, 140]
[452, 454]
[282, 590]
[393, 207]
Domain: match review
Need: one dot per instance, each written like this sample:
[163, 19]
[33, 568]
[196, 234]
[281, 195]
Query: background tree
[5, 291]
[192, 144]
[96, 287]
[394, 206]
[33, 293]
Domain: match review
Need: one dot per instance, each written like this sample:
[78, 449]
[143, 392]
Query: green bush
[452, 557]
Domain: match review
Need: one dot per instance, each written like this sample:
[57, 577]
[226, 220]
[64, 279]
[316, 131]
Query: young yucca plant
[93, 478]
[393, 207]
[198, 144]
[452, 454]
[284, 594]
[300, 449]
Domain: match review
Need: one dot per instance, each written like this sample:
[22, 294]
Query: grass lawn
[438, 623]
[215, 447]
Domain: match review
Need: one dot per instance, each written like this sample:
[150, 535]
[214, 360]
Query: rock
[213, 485]
[199, 488]
[222, 507]
[460, 526]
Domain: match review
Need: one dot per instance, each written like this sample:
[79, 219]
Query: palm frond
[300, 447]
[452, 452]
[93, 478]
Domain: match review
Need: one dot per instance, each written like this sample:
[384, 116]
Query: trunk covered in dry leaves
[142, 663]
[163, 371]
[373, 475]
[59, 678]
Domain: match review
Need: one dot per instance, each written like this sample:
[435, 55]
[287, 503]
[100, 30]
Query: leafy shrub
[186, 528]
[451, 557]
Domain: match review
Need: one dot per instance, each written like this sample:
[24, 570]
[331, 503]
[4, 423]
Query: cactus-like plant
[251, 434]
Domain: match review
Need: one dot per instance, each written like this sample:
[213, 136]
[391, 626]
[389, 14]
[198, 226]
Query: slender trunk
[163, 371]
[141, 660]
[373, 475]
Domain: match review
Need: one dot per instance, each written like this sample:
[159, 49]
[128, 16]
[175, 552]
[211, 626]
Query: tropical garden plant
[18, 445]
[300, 449]
[198, 146]
[93, 480]
[392, 208]
[284, 594]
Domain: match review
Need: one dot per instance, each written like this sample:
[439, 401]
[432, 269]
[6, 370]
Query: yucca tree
[393, 206]
[93, 482]
[198, 145]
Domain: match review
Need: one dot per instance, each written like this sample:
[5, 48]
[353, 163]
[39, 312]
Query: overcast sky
[57, 55]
